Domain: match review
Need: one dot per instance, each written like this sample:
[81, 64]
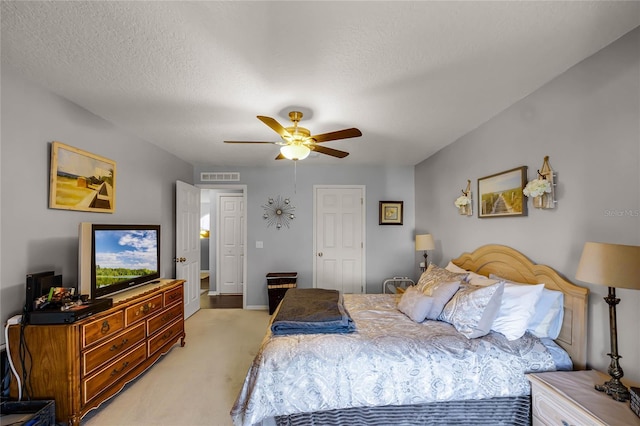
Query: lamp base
[615, 389]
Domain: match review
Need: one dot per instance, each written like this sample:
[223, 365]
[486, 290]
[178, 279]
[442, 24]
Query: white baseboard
[213, 293]
[257, 307]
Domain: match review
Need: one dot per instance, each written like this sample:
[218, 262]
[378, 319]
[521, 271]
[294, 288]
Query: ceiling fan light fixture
[295, 152]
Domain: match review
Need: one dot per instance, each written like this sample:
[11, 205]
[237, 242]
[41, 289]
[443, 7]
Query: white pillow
[516, 309]
[472, 310]
[414, 304]
[548, 316]
[549, 313]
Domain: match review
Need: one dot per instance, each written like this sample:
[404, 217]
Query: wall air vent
[220, 177]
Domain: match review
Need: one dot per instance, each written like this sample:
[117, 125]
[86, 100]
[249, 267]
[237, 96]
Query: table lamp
[424, 242]
[614, 266]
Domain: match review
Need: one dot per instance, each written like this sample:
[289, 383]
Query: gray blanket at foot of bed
[311, 311]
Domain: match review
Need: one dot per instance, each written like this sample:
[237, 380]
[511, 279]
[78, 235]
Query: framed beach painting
[81, 180]
[391, 212]
[500, 195]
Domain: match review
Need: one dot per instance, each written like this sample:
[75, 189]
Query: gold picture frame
[500, 194]
[81, 180]
[391, 212]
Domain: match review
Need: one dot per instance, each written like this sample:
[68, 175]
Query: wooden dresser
[82, 364]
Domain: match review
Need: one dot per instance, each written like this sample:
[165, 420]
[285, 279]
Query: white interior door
[188, 244]
[231, 243]
[339, 238]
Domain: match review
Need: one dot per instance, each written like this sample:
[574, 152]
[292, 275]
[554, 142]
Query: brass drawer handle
[116, 371]
[145, 308]
[166, 335]
[173, 296]
[105, 327]
[116, 347]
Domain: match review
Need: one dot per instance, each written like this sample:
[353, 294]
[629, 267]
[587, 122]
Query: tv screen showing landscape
[124, 255]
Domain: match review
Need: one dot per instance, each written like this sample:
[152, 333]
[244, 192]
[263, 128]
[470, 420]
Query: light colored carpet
[194, 385]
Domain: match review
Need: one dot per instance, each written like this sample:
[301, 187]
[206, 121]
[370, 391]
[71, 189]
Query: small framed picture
[500, 195]
[391, 212]
[81, 180]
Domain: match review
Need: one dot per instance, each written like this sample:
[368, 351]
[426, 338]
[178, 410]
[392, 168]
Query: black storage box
[277, 285]
[31, 413]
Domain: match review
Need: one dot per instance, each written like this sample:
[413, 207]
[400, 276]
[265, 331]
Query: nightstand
[568, 398]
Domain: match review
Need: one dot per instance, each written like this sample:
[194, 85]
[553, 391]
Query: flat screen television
[114, 258]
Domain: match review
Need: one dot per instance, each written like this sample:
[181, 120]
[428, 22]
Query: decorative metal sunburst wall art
[278, 212]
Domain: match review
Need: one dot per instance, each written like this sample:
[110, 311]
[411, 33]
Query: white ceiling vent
[220, 177]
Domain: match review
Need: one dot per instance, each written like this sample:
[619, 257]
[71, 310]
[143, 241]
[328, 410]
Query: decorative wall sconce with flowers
[278, 212]
[542, 188]
[464, 202]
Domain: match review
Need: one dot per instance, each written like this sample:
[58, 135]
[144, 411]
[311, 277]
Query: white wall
[389, 249]
[588, 121]
[36, 238]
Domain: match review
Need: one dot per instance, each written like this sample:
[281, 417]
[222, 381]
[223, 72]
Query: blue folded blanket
[311, 311]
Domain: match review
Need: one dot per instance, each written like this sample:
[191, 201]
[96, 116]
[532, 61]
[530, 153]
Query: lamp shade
[424, 242]
[611, 265]
[295, 151]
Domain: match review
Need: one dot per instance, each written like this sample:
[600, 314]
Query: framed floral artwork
[390, 213]
[500, 194]
[81, 180]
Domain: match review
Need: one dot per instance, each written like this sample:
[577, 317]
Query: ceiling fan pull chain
[295, 176]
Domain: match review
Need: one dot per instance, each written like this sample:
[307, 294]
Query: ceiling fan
[297, 142]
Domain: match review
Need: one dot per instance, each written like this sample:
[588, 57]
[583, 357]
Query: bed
[383, 374]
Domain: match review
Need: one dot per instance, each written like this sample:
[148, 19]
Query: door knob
[320, 254]
[180, 259]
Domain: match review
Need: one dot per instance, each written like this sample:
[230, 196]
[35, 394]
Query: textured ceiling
[412, 76]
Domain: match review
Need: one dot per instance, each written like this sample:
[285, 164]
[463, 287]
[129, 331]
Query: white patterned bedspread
[389, 360]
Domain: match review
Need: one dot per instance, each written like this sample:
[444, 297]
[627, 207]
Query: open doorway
[223, 246]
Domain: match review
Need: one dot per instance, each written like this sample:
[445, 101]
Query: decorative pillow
[548, 316]
[435, 274]
[414, 304]
[477, 279]
[549, 313]
[452, 267]
[472, 310]
[516, 309]
[472, 277]
[441, 293]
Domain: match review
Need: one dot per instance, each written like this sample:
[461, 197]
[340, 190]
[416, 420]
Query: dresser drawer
[163, 318]
[111, 373]
[112, 348]
[143, 309]
[102, 328]
[173, 295]
[163, 337]
[551, 409]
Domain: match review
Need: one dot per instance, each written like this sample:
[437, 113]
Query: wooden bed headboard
[510, 264]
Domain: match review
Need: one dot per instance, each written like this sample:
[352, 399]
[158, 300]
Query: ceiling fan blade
[281, 157]
[340, 134]
[248, 142]
[329, 151]
[277, 127]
